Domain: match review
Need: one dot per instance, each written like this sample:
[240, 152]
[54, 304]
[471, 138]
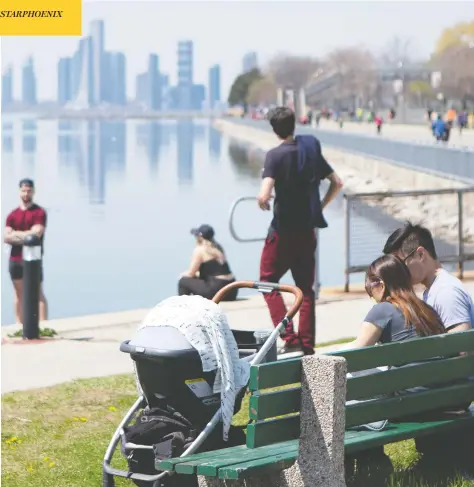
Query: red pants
[291, 251]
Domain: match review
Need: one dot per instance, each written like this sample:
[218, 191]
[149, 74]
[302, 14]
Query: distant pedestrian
[28, 219]
[439, 128]
[462, 121]
[379, 123]
[294, 169]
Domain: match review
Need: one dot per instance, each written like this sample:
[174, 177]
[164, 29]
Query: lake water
[121, 198]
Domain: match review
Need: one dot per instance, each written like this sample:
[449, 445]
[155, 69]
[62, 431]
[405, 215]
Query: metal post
[460, 236]
[347, 242]
[31, 286]
[317, 283]
[261, 337]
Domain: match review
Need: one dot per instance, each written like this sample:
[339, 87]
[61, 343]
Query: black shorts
[16, 270]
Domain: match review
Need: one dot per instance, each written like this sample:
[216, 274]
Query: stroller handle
[264, 287]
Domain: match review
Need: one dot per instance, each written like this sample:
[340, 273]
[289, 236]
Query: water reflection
[215, 140]
[185, 141]
[7, 143]
[149, 137]
[28, 145]
[245, 162]
[92, 149]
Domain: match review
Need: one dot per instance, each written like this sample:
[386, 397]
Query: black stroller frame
[251, 350]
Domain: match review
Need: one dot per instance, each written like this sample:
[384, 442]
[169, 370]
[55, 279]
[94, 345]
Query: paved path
[28, 366]
[418, 133]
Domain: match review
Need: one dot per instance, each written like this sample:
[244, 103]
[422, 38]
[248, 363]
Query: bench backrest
[275, 412]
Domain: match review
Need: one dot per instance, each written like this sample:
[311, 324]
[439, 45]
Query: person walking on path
[294, 169]
[28, 219]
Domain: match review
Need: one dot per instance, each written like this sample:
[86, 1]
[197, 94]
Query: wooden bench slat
[259, 467]
[361, 440]
[409, 404]
[430, 373]
[287, 401]
[171, 463]
[210, 468]
[275, 374]
[278, 403]
[414, 350]
[264, 433]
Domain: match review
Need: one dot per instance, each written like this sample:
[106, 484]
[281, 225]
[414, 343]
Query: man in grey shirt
[444, 292]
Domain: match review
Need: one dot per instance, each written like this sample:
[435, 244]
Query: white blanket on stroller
[205, 326]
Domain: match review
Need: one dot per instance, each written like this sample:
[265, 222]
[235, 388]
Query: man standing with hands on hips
[295, 170]
[27, 219]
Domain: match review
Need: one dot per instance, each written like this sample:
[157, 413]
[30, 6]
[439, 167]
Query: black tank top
[213, 268]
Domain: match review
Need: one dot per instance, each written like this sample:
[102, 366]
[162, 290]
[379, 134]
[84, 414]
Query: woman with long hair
[209, 270]
[398, 313]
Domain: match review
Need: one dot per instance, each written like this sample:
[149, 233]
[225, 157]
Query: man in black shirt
[294, 169]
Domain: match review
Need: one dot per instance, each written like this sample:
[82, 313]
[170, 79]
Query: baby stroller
[177, 412]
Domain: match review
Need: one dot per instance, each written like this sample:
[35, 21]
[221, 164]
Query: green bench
[281, 390]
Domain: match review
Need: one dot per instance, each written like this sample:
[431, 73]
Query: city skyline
[372, 24]
[93, 76]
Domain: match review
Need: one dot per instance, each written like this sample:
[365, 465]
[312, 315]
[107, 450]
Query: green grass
[57, 436]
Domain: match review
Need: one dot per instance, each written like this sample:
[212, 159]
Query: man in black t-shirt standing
[294, 169]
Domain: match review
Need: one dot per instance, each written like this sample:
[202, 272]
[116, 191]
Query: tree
[262, 91]
[356, 76]
[454, 58]
[240, 88]
[292, 72]
[397, 53]
[455, 36]
[421, 91]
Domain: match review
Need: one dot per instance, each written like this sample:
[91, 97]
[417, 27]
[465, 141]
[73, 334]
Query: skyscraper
[214, 87]
[249, 62]
[28, 92]
[76, 71]
[98, 87]
[7, 87]
[185, 74]
[64, 80]
[153, 83]
[83, 96]
[114, 66]
[141, 87]
[198, 95]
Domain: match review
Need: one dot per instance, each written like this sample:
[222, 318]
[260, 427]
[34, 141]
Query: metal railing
[425, 156]
[234, 234]
[369, 218]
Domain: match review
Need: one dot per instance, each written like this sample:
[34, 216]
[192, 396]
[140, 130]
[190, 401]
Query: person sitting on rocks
[209, 270]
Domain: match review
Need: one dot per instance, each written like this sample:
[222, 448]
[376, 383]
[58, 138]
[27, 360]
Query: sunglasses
[371, 285]
[408, 256]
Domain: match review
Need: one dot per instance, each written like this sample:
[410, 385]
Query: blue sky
[224, 31]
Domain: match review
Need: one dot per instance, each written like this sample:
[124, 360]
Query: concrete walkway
[89, 346]
[415, 133]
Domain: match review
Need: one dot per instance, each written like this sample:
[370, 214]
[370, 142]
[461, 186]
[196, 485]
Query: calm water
[121, 198]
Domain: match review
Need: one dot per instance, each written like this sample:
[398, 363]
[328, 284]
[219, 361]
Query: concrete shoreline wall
[362, 174]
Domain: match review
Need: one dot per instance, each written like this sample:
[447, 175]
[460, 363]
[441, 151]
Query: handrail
[231, 221]
[317, 283]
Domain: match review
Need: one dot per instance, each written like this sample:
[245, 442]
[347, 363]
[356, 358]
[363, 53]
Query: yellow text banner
[44, 18]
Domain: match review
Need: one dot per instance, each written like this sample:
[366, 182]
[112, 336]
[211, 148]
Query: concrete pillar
[320, 460]
[279, 97]
[302, 110]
